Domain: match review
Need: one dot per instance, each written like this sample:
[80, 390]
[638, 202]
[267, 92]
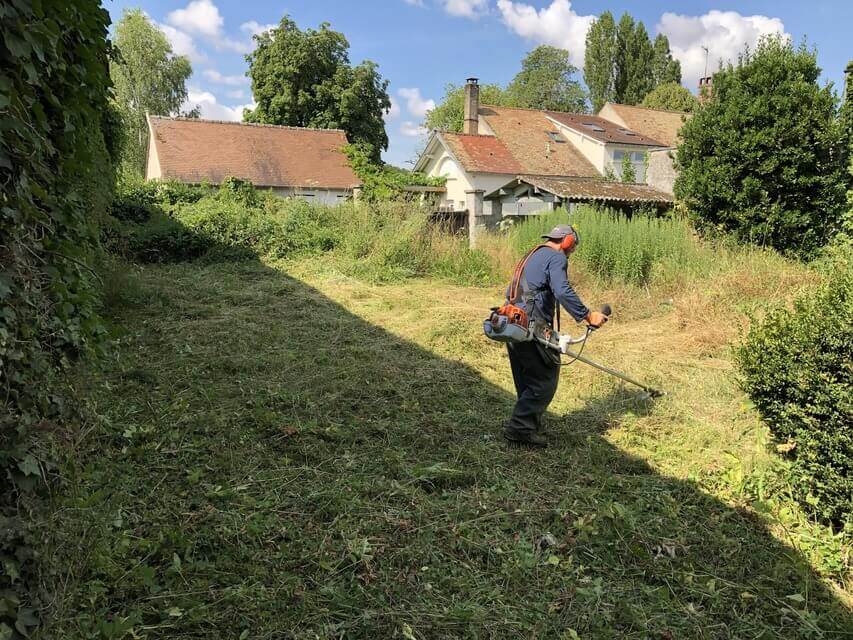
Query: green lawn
[290, 453]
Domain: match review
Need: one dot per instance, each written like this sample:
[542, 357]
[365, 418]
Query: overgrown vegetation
[381, 182]
[56, 177]
[798, 370]
[763, 159]
[670, 96]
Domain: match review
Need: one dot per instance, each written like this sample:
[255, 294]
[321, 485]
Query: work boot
[525, 438]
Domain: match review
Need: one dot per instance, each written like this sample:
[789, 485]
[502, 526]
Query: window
[637, 156]
[592, 126]
[555, 136]
[618, 155]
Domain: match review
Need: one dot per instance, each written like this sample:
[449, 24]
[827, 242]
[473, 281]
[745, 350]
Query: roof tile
[193, 150]
[655, 123]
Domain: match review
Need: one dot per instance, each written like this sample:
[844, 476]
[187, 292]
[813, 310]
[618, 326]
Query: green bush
[797, 368]
[764, 158]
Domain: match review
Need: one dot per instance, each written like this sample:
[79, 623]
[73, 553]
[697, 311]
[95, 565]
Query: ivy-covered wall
[56, 181]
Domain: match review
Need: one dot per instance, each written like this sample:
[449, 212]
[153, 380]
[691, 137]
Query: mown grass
[284, 450]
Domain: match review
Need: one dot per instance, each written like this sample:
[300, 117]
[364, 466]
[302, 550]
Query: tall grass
[619, 249]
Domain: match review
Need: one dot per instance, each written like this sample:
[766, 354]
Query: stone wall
[661, 172]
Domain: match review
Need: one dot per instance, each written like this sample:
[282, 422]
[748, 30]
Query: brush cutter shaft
[613, 372]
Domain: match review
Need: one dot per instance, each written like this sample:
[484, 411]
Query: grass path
[295, 454]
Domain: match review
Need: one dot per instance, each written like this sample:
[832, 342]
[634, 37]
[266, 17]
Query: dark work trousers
[536, 376]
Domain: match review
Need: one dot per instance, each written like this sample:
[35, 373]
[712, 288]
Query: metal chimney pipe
[472, 107]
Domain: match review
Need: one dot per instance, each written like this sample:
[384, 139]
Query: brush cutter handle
[606, 310]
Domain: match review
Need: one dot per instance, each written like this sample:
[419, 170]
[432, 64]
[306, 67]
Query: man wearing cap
[535, 368]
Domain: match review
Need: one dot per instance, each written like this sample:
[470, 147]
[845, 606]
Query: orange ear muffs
[569, 242]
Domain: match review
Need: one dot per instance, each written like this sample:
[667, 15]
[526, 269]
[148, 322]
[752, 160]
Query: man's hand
[595, 319]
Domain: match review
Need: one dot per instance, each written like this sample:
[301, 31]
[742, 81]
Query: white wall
[442, 164]
[592, 149]
[317, 196]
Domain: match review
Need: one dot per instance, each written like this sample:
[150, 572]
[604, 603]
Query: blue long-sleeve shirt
[546, 272]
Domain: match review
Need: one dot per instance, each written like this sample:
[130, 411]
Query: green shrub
[797, 368]
[763, 159]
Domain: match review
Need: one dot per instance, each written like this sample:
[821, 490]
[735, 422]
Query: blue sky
[421, 45]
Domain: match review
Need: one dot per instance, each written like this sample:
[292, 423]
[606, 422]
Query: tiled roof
[193, 150]
[524, 133]
[592, 189]
[481, 153]
[602, 130]
[654, 123]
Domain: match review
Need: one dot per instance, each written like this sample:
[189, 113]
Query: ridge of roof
[637, 106]
[571, 113]
[242, 124]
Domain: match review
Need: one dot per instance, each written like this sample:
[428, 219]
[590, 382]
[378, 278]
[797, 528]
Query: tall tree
[449, 112]
[148, 77]
[763, 159]
[633, 78]
[304, 79]
[665, 68]
[671, 96]
[546, 81]
[600, 63]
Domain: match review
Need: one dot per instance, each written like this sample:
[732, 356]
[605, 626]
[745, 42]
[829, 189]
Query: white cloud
[199, 16]
[558, 25]
[415, 3]
[465, 8]
[254, 28]
[394, 111]
[182, 43]
[237, 94]
[724, 33]
[415, 102]
[214, 76]
[211, 109]
[412, 129]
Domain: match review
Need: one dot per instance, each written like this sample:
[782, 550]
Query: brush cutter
[501, 329]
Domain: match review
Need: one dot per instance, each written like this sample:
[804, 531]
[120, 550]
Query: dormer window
[627, 132]
[556, 136]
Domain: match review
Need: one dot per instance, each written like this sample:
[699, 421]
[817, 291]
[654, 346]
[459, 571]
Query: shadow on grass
[270, 465]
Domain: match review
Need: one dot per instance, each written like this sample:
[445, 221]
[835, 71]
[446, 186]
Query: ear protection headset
[570, 241]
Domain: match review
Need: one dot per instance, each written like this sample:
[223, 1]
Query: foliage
[148, 78]
[304, 79]
[599, 60]
[56, 179]
[797, 369]
[622, 64]
[449, 113]
[762, 159]
[380, 181]
[671, 96]
[546, 81]
[665, 68]
[628, 174]
[846, 113]
[620, 249]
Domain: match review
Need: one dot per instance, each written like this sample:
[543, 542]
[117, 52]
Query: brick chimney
[706, 89]
[472, 106]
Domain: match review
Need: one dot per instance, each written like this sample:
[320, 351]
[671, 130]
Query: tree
[599, 65]
[762, 160]
[304, 79]
[546, 81]
[846, 113]
[672, 96]
[628, 173]
[449, 113]
[665, 69]
[148, 77]
[633, 77]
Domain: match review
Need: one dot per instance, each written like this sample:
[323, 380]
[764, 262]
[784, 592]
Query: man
[535, 368]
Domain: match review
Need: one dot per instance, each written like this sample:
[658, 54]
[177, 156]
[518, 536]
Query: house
[660, 124]
[291, 161]
[510, 161]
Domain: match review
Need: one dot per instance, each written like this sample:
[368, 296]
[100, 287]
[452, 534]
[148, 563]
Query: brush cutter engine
[501, 328]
